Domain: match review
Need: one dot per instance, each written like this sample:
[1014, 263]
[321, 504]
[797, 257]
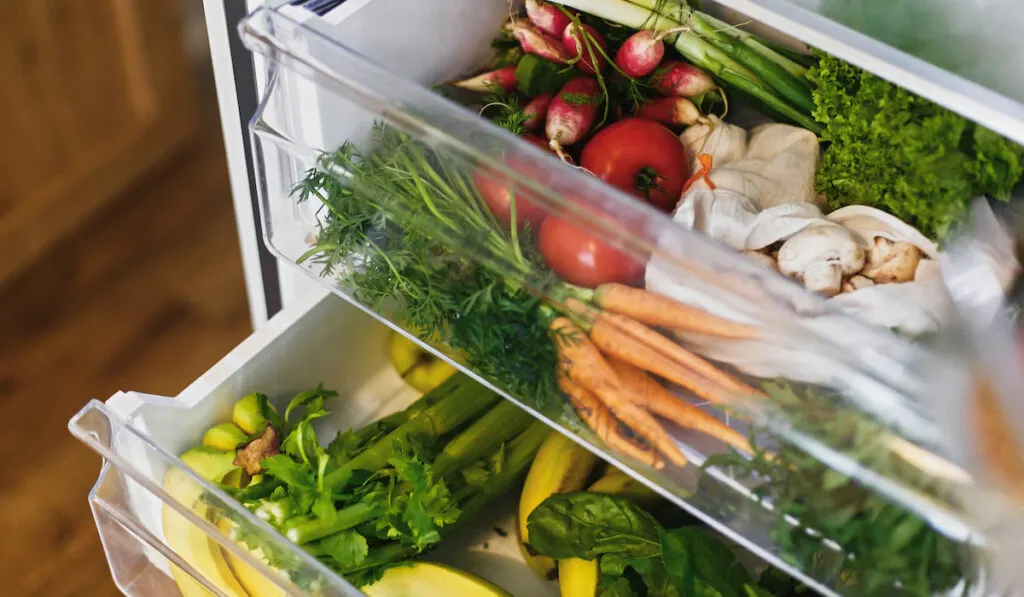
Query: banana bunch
[215, 461]
[563, 466]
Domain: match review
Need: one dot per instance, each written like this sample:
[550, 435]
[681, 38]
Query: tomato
[641, 157]
[581, 259]
[496, 191]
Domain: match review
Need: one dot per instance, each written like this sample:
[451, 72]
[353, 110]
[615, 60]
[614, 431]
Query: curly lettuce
[888, 148]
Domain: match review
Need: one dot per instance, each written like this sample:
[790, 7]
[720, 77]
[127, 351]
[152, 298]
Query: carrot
[654, 397]
[582, 362]
[638, 344]
[654, 309]
[605, 426]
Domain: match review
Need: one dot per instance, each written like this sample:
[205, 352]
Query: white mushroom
[821, 256]
[763, 259]
[889, 262]
[856, 283]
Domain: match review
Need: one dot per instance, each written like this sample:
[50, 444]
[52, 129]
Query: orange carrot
[651, 395]
[605, 426]
[633, 342]
[583, 363]
[654, 309]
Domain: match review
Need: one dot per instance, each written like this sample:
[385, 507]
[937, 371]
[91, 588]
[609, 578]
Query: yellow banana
[192, 543]
[561, 465]
[616, 482]
[254, 581]
[419, 368]
[577, 578]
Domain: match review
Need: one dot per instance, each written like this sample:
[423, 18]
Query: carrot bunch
[610, 357]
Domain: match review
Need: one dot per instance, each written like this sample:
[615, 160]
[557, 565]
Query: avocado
[210, 463]
[226, 436]
[247, 414]
[423, 579]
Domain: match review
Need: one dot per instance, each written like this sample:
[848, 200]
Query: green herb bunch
[410, 235]
[376, 496]
[884, 546]
[891, 149]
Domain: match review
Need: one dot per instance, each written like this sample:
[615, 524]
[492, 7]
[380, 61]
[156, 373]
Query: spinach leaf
[618, 588]
[586, 525]
[701, 563]
[536, 75]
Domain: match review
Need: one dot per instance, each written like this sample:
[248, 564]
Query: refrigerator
[892, 421]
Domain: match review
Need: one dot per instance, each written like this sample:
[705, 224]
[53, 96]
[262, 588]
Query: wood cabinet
[93, 95]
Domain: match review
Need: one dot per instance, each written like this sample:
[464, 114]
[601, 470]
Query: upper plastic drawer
[384, 190]
[958, 54]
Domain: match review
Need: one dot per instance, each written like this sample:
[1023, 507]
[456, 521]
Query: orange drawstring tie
[705, 169]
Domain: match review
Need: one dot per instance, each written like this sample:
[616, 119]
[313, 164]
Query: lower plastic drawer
[157, 545]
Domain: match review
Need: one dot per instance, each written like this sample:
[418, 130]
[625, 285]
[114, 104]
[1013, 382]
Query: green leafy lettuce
[891, 149]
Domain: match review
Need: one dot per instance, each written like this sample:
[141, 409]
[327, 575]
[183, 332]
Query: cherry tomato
[641, 157]
[496, 191]
[581, 259]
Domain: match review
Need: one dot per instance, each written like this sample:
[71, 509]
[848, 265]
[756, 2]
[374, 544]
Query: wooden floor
[146, 297]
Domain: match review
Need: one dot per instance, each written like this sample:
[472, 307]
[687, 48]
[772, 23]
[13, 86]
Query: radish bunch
[570, 109]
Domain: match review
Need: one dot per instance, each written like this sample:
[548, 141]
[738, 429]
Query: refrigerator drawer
[377, 186]
[142, 522]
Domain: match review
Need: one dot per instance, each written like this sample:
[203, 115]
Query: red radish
[682, 79]
[572, 113]
[536, 110]
[672, 111]
[587, 50]
[641, 53]
[497, 191]
[535, 42]
[547, 17]
[503, 78]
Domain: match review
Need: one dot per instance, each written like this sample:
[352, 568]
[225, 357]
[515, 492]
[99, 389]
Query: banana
[255, 582]
[616, 482]
[189, 541]
[577, 578]
[561, 465]
[419, 368]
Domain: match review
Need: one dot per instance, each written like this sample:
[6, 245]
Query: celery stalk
[463, 399]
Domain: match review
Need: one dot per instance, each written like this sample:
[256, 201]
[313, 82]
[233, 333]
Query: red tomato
[581, 259]
[640, 157]
[497, 194]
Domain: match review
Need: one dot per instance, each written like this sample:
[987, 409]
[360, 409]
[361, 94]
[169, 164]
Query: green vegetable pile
[377, 496]
[887, 547]
[891, 149]
[637, 556]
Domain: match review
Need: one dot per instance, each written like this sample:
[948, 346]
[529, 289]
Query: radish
[503, 78]
[682, 79]
[535, 42]
[672, 111]
[641, 53]
[572, 113]
[588, 54]
[546, 17]
[536, 110]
